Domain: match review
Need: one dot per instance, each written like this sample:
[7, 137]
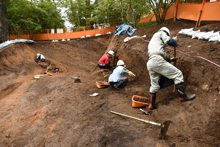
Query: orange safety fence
[66, 33]
[210, 12]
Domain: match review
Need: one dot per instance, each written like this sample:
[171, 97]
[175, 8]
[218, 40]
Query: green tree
[75, 11]
[119, 10]
[3, 22]
[27, 15]
[105, 11]
[87, 12]
[132, 10]
[160, 7]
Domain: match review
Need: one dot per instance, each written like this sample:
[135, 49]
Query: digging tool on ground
[164, 126]
[144, 111]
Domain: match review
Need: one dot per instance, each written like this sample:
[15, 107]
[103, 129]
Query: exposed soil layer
[144, 100]
[55, 111]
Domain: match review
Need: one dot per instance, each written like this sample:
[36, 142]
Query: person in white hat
[40, 58]
[158, 66]
[104, 61]
[117, 79]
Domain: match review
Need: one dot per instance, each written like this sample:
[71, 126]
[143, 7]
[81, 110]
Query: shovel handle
[146, 121]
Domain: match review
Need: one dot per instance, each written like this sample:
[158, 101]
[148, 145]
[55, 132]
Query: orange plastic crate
[102, 84]
[137, 103]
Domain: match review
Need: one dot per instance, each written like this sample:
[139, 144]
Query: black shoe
[116, 87]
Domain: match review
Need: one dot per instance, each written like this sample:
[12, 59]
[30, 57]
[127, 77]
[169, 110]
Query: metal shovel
[164, 126]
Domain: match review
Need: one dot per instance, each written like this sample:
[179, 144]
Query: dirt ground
[56, 112]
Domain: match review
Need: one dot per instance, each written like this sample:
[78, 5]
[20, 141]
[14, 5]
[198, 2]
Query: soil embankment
[55, 111]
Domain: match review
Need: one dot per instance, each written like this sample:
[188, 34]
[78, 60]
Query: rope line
[208, 60]
[189, 55]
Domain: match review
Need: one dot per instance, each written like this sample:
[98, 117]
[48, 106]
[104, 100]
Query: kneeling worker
[117, 79]
[40, 58]
[104, 61]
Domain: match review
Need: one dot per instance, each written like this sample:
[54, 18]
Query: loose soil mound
[55, 111]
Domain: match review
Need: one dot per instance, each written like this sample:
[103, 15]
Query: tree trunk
[3, 22]
[122, 11]
[87, 14]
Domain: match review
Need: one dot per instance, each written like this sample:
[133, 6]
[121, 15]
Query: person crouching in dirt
[158, 66]
[104, 61]
[117, 79]
[40, 58]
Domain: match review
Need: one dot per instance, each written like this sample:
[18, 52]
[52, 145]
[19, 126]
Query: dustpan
[102, 84]
[141, 102]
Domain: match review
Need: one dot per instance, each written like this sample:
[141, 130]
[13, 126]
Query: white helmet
[165, 29]
[111, 53]
[38, 54]
[120, 62]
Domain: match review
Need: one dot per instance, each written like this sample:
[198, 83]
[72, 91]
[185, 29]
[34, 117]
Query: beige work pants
[158, 66]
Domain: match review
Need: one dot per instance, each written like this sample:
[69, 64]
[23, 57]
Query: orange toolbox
[139, 101]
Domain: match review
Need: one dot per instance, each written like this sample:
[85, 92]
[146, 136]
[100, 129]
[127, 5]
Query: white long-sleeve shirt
[42, 56]
[117, 73]
[158, 43]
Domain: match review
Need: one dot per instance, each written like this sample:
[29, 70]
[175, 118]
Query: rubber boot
[152, 100]
[182, 93]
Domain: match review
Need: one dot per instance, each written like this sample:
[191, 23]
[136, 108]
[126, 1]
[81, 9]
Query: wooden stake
[200, 12]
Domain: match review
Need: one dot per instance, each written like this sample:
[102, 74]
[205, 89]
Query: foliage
[160, 7]
[119, 10]
[26, 15]
[75, 11]
[105, 11]
[77, 29]
[85, 13]
[3, 22]
[146, 24]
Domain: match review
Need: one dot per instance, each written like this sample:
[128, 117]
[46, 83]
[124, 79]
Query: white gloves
[131, 74]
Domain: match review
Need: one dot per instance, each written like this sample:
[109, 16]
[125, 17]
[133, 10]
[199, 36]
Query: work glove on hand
[175, 37]
[174, 59]
[131, 74]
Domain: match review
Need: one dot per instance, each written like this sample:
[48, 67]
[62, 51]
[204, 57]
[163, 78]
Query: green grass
[146, 24]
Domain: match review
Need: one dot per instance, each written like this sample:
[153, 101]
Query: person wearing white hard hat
[104, 61]
[159, 66]
[40, 58]
[117, 79]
